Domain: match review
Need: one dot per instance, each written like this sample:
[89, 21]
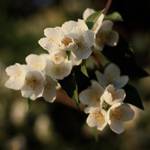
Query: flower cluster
[104, 101]
[67, 46]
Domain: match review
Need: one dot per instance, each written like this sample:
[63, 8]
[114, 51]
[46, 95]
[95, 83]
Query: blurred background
[58, 127]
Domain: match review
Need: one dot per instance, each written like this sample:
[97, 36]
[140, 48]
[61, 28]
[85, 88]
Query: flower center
[32, 82]
[66, 41]
[105, 106]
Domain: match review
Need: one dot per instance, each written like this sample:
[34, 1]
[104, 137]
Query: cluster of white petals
[104, 101]
[67, 46]
[103, 31]
[32, 82]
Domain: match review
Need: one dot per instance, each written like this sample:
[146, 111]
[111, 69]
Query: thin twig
[108, 4]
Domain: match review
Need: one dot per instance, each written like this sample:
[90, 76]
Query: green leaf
[84, 70]
[76, 95]
[115, 16]
[68, 84]
[123, 56]
[133, 97]
[92, 19]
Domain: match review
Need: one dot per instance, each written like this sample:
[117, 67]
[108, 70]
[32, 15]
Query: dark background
[58, 127]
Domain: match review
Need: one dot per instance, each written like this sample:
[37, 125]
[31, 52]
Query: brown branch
[108, 4]
[63, 98]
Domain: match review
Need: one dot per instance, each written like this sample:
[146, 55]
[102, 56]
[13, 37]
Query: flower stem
[108, 4]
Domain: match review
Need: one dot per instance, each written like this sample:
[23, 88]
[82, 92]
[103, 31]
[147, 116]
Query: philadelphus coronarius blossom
[106, 106]
[16, 75]
[112, 75]
[72, 36]
[58, 66]
[30, 81]
[68, 47]
[104, 35]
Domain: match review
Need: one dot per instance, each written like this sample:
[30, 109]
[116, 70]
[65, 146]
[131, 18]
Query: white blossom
[112, 75]
[82, 36]
[111, 95]
[33, 84]
[106, 35]
[117, 115]
[50, 87]
[58, 66]
[56, 40]
[16, 75]
[97, 118]
[106, 106]
[91, 96]
[36, 62]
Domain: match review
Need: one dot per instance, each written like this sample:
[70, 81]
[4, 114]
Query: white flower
[82, 36]
[91, 96]
[117, 115]
[112, 76]
[111, 95]
[72, 36]
[58, 66]
[106, 36]
[16, 75]
[97, 118]
[56, 40]
[33, 84]
[49, 93]
[36, 62]
[106, 107]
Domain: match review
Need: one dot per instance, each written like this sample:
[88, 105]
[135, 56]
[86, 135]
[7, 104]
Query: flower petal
[83, 53]
[112, 72]
[96, 119]
[37, 62]
[54, 33]
[99, 23]
[91, 96]
[121, 81]
[101, 79]
[15, 84]
[34, 85]
[87, 13]
[69, 26]
[16, 75]
[112, 39]
[47, 44]
[112, 95]
[89, 38]
[49, 92]
[117, 126]
[117, 114]
[58, 71]
[107, 26]
[75, 61]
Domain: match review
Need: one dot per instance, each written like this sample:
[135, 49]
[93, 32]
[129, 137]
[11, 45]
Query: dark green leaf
[92, 19]
[133, 97]
[76, 81]
[76, 95]
[115, 16]
[123, 56]
[68, 84]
